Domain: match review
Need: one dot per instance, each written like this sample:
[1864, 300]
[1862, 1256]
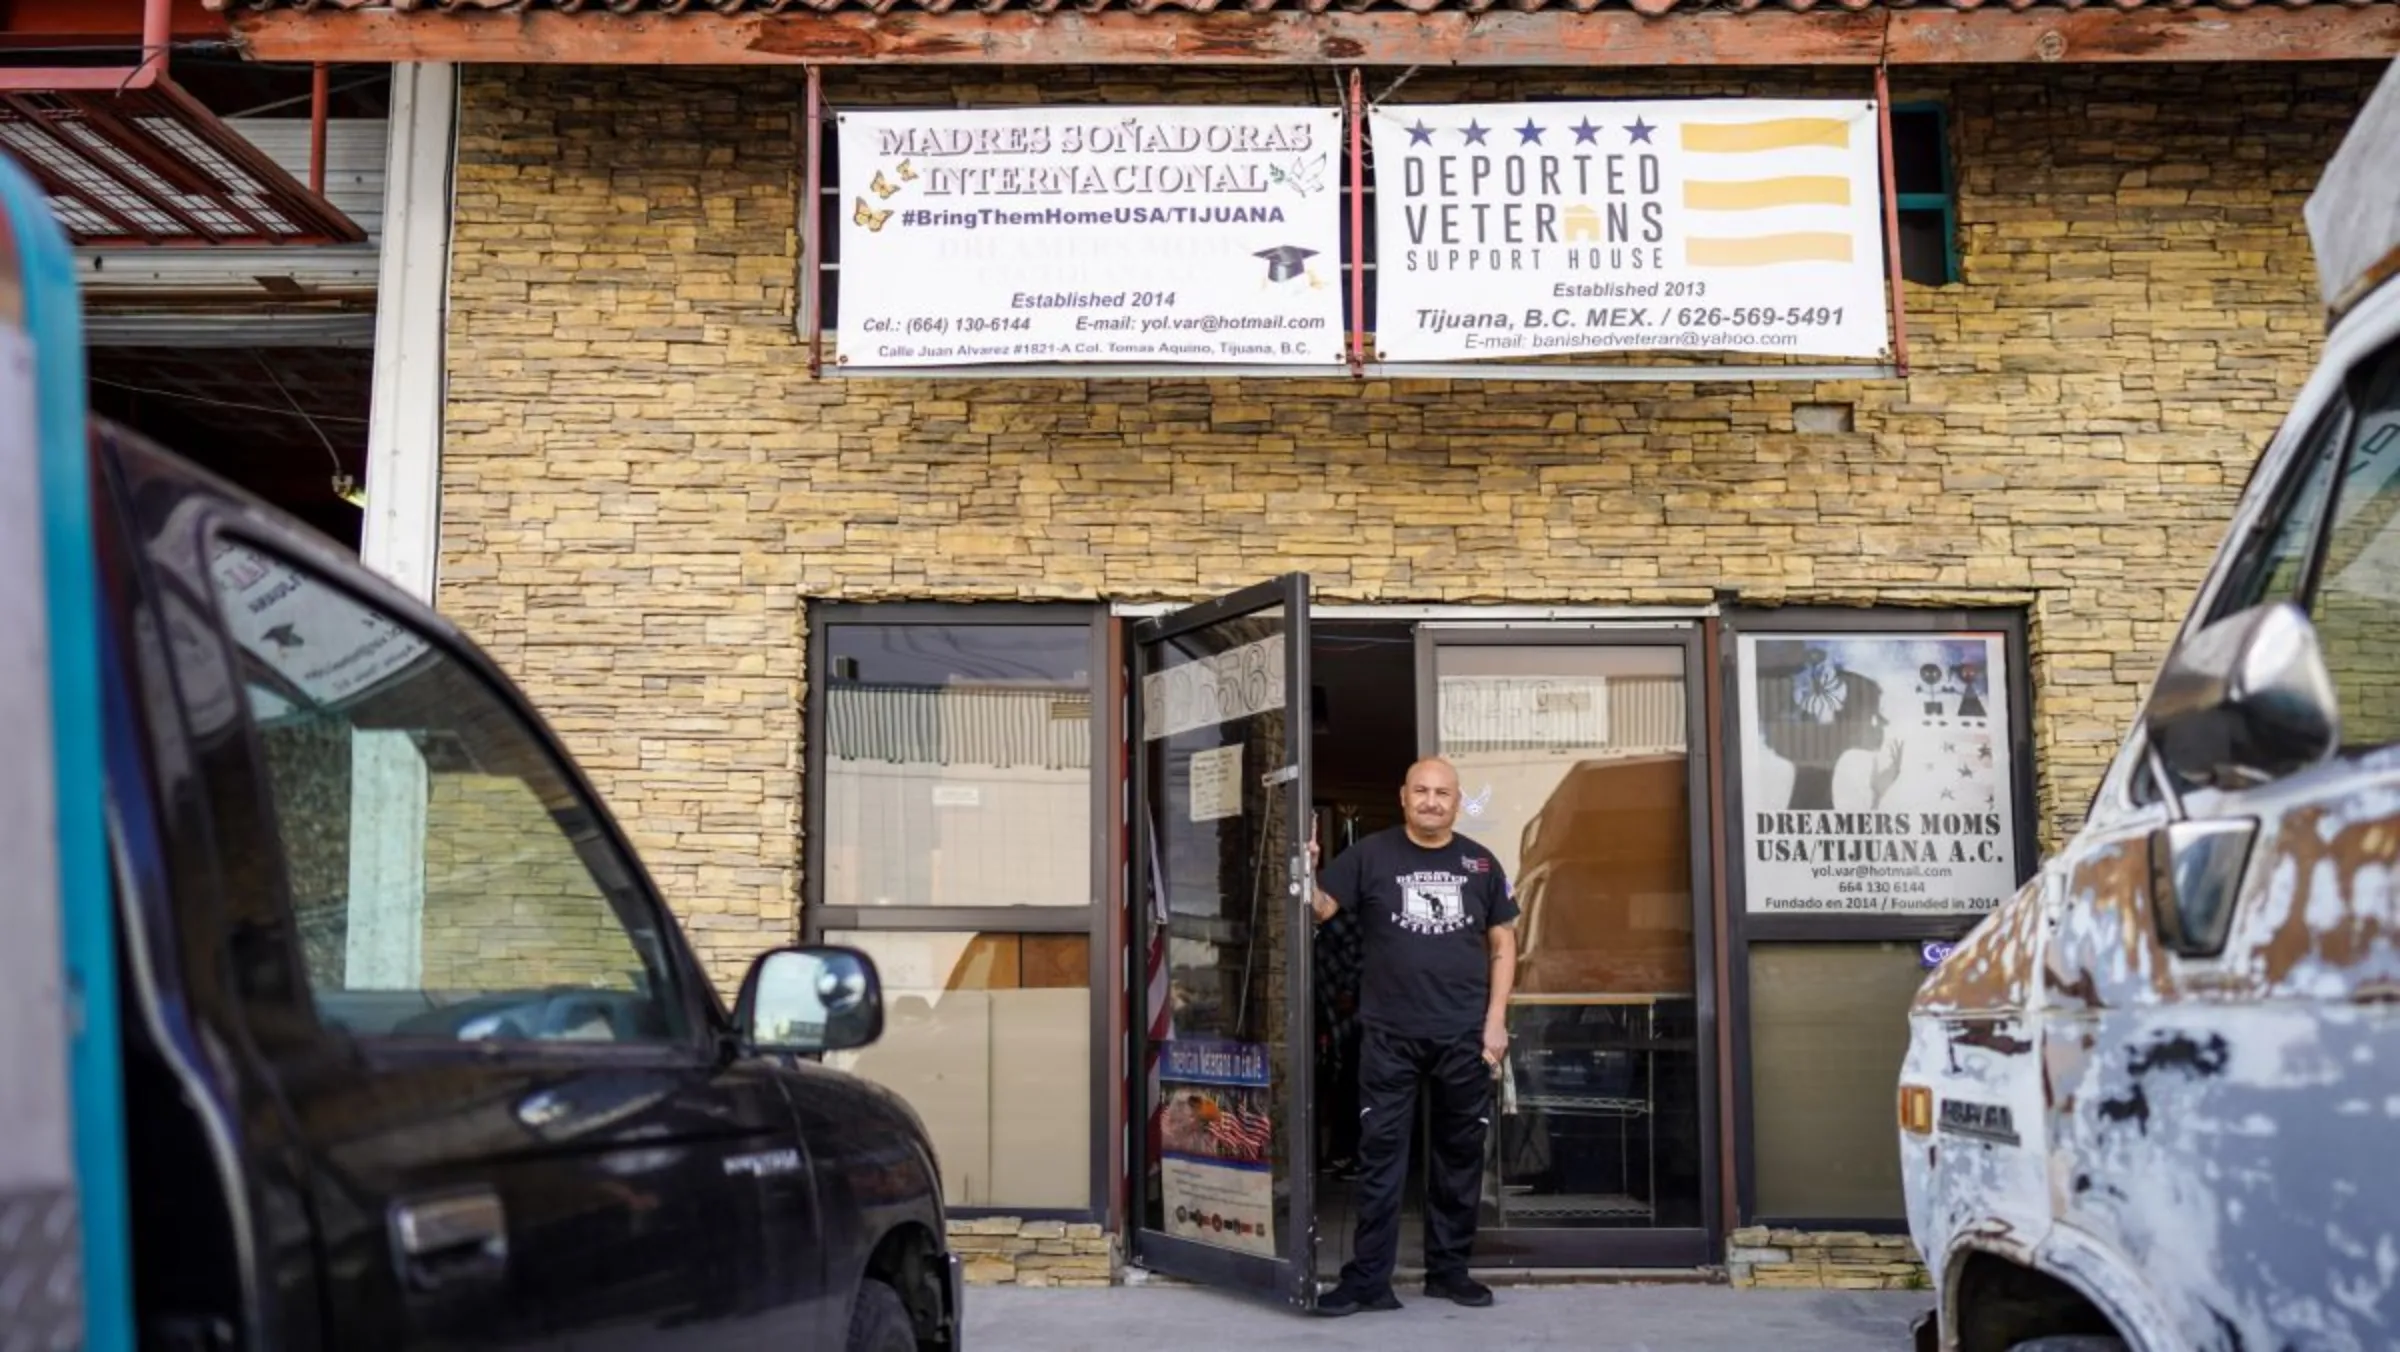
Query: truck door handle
[454, 1237]
[2196, 871]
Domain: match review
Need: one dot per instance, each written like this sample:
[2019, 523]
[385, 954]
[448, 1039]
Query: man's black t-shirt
[1424, 913]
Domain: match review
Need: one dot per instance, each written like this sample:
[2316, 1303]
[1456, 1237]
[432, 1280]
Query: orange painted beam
[1555, 38]
[35, 24]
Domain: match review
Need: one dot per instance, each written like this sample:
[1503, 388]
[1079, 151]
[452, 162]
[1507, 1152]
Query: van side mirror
[808, 999]
[2245, 701]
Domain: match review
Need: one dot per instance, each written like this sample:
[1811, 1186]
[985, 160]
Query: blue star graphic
[1475, 133]
[1585, 133]
[1640, 131]
[1420, 134]
[1529, 134]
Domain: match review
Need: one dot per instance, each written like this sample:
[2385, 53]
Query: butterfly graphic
[908, 171]
[1305, 176]
[868, 216]
[1476, 805]
[883, 187]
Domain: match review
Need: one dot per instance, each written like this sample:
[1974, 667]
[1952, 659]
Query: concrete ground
[1689, 1318]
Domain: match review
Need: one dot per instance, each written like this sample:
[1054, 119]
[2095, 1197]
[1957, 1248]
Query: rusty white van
[2153, 1101]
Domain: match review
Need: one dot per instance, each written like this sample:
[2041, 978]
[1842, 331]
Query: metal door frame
[1603, 1247]
[1291, 1276]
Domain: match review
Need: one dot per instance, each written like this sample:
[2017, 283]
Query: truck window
[2357, 602]
[447, 880]
[2272, 563]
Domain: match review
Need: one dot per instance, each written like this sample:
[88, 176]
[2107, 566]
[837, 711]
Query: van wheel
[2071, 1342]
[879, 1322]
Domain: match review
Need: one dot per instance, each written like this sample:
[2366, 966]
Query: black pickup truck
[414, 1054]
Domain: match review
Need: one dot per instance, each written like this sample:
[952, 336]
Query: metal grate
[153, 166]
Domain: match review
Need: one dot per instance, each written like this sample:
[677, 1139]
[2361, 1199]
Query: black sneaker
[1461, 1289]
[1341, 1301]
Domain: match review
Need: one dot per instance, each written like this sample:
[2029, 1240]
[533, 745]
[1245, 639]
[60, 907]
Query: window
[988, 1036]
[1828, 1031]
[958, 766]
[2272, 561]
[954, 837]
[1928, 191]
[1884, 769]
[447, 880]
[2358, 578]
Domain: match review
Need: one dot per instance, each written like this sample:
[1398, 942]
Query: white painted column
[412, 304]
[384, 947]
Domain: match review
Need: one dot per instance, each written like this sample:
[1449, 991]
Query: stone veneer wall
[1000, 1250]
[1838, 1260]
[643, 489]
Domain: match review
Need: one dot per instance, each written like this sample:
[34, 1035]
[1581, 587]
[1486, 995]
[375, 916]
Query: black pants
[1339, 1078]
[1389, 1071]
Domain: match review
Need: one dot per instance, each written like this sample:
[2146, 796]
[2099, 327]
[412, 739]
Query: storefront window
[957, 765]
[989, 1038]
[953, 836]
[1828, 1030]
[1574, 765]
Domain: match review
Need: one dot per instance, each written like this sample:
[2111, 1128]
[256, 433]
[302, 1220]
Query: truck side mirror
[808, 999]
[2245, 701]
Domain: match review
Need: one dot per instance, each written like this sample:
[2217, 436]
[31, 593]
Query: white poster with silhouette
[1876, 774]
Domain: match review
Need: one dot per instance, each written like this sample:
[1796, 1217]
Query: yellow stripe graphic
[1797, 190]
[1759, 251]
[1782, 133]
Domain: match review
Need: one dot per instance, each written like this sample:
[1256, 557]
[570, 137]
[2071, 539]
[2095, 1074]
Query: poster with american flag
[1687, 225]
[1216, 1134]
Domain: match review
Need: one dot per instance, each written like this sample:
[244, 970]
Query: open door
[1224, 1159]
[1582, 758]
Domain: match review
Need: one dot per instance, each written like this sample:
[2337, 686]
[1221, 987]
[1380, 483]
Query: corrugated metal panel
[1647, 712]
[354, 150]
[1523, 713]
[183, 329]
[927, 725]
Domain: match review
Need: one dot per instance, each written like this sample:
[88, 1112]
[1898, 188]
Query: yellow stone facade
[643, 489]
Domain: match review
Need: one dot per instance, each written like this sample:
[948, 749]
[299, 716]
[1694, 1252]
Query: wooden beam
[1239, 37]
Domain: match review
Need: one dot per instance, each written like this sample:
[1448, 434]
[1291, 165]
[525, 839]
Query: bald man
[1440, 955]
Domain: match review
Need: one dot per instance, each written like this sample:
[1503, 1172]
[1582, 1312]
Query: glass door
[1224, 1168]
[1581, 764]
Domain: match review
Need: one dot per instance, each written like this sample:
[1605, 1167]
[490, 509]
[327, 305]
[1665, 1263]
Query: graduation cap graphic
[1285, 261]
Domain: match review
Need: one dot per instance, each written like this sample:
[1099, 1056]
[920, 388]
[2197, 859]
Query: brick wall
[642, 487]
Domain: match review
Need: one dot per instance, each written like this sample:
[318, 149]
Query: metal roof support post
[1891, 222]
[812, 225]
[320, 100]
[1358, 225]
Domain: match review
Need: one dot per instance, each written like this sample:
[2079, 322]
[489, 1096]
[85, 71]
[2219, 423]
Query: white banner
[1731, 225]
[1091, 235]
[1876, 775]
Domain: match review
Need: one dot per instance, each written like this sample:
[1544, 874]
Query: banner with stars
[1039, 235]
[1876, 774]
[1707, 225]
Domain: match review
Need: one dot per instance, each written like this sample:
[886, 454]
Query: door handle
[2196, 871]
[454, 1237]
